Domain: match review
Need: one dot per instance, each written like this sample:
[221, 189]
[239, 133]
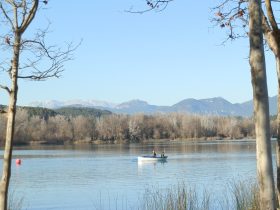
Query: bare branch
[265, 24]
[5, 88]
[270, 15]
[38, 60]
[158, 5]
[24, 8]
[7, 17]
[30, 16]
[56, 57]
[41, 45]
[15, 15]
[232, 15]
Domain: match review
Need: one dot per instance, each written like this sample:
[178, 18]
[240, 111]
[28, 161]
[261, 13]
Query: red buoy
[18, 161]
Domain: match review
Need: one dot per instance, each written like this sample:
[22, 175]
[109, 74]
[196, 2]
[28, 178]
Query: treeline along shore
[88, 125]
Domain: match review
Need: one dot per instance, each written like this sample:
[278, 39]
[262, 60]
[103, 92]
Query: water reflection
[145, 148]
[142, 164]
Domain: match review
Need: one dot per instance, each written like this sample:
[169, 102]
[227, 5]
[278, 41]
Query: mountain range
[211, 106]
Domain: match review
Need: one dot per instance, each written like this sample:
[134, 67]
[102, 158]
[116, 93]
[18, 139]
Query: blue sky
[161, 58]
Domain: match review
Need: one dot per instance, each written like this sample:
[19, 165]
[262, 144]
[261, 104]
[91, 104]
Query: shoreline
[146, 141]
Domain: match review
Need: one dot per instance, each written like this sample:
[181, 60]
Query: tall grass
[175, 198]
[238, 195]
[245, 195]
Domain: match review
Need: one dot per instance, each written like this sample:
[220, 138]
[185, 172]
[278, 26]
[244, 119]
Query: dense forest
[72, 125]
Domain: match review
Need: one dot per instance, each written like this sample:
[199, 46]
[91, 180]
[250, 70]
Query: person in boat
[162, 154]
[154, 153]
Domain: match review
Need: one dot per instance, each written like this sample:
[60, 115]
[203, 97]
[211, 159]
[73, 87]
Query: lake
[110, 177]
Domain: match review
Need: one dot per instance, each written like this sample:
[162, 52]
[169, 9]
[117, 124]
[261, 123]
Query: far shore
[146, 141]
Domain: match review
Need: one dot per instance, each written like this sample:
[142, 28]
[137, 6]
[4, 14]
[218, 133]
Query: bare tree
[233, 14]
[253, 14]
[22, 60]
[261, 108]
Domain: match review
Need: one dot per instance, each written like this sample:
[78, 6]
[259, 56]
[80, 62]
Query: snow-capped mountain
[210, 106]
[55, 104]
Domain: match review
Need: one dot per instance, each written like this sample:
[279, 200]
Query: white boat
[152, 158]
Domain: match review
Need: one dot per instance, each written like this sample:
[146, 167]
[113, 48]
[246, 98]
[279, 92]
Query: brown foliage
[134, 128]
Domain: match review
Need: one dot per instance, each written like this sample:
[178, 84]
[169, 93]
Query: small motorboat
[152, 158]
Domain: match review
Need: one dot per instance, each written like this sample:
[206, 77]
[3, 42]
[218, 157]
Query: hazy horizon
[118, 103]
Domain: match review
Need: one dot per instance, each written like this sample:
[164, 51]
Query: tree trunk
[6, 174]
[277, 58]
[261, 108]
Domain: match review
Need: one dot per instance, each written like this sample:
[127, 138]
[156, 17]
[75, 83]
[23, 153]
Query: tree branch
[30, 16]
[24, 8]
[7, 17]
[15, 8]
[230, 12]
[270, 15]
[5, 88]
[56, 58]
[265, 24]
[158, 5]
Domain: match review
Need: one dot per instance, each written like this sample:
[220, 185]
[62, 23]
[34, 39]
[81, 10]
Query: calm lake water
[110, 177]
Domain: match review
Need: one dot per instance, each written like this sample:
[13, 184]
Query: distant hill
[210, 106]
[75, 111]
[138, 106]
[248, 106]
[65, 111]
[34, 111]
[39, 111]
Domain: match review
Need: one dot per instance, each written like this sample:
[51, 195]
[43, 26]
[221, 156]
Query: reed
[245, 195]
[238, 195]
[177, 197]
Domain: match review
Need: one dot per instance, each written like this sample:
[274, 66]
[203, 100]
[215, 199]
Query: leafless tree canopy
[233, 16]
[136, 128]
[38, 59]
